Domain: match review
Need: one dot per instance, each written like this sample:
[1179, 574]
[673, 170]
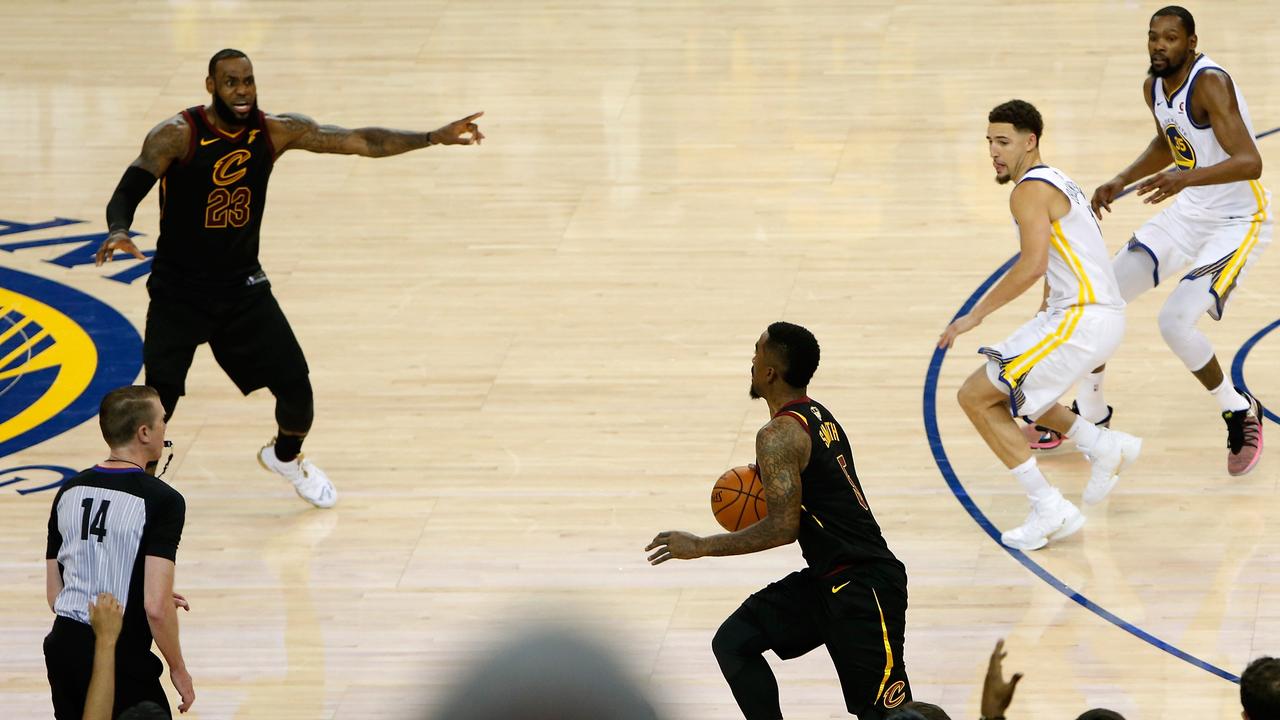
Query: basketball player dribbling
[207, 286]
[852, 596]
[1080, 327]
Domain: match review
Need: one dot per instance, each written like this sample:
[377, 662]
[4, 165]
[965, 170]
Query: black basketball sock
[288, 446]
[739, 648]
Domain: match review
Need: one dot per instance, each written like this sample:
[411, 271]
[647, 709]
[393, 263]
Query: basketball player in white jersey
[1218, 225]
[1080, 327]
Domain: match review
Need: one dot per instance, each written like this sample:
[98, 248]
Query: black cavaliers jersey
[211, 204]
[837, 529]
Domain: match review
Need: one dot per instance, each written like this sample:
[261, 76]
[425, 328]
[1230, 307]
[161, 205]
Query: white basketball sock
[1032, 480]
[1228, 398]
[1089, 400]
[1084, 433]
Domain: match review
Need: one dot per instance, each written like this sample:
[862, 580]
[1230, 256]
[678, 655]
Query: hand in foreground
[1105, 195]
[452, 134]
[996, 693]
[1162, 186]
[180, 601]
[182, 683]
[118, 240]
[670, 544]
[958, 327]
[106, 616]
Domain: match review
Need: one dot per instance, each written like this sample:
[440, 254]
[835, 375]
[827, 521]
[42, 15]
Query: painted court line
[962, 495]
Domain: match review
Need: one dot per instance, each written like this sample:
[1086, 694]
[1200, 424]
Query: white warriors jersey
[1194, 146]
[1080, 271]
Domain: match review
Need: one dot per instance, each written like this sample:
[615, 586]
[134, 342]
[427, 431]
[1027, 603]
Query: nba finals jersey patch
[1184, 156]
[60, 352]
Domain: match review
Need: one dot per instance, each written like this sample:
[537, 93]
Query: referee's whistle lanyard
[168, 445]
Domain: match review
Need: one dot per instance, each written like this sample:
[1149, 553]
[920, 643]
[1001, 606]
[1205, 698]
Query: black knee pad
[295, 405]
[738, 637]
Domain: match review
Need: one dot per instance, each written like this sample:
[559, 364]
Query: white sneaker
[1114, 451]
[309, 481]
[1053, 518]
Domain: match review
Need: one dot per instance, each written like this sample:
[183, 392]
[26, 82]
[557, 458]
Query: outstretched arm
[294, 131]
[166, 143]
[782, 450]
[1030, 204]
[1152, 160]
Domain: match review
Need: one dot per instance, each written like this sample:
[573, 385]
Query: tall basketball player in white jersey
[1218, 225]
[1079, 327]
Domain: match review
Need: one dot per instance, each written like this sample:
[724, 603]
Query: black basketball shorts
[860, 620]
[68, 658]
[247, 331]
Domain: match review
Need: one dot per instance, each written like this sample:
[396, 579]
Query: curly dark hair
[1021, 114]
[798, 349]
[1188, 22]
[1260, 689]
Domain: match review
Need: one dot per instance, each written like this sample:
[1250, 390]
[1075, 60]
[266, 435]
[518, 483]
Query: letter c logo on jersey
[230, 167]
[60, 352]
[1184, 156]
[896, 693]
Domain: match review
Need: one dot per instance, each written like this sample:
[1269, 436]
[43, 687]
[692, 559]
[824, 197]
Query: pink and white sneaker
[1244, 436]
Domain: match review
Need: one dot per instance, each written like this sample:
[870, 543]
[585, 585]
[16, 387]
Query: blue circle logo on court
[1184, 156]
[60, 352]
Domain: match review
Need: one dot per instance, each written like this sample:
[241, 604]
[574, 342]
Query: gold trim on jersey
[1227, 278]
[1018, 367]
[1168, 96]
[888, 651]
[1059, 239]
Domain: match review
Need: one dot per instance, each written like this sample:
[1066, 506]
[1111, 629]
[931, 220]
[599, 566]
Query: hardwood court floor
[531, 356]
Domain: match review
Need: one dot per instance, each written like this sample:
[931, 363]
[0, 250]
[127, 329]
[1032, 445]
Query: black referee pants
[68, 658]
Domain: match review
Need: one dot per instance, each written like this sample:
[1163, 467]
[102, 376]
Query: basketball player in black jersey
[206, 284]
[852, 597]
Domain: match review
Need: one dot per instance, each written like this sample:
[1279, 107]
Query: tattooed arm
[291, 131]
[167, 143]
[782, 450]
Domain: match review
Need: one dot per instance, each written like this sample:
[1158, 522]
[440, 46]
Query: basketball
[737, 498]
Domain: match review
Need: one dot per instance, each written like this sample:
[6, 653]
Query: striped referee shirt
[103, 524]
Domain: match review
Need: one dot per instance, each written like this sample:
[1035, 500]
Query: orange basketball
[737, 499]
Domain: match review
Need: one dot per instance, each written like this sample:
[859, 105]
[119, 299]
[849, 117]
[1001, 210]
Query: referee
[115, 528]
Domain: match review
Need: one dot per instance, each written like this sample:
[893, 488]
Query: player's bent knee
[976, 393]
[737, 638]
[295, 405]
[1176, 324]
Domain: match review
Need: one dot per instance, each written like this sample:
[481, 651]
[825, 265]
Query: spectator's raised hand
[996, 693]
[106, 616]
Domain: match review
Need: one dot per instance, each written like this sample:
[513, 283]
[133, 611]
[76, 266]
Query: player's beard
[1170, 68]
[1003, 179]
[228, 116]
